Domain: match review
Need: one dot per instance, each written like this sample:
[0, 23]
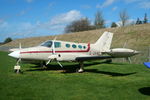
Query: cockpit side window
[57, 44]
[47, 44]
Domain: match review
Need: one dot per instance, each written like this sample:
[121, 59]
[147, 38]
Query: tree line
[84, 24]
[7, 40]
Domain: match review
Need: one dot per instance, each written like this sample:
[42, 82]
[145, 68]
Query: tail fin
[104, 42]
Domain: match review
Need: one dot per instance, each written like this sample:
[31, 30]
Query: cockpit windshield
[47, 44]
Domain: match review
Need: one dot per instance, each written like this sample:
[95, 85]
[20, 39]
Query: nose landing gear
[17, 68]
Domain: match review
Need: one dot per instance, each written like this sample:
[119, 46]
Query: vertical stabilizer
[104, 42]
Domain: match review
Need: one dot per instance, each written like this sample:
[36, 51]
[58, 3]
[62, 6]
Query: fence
[144, 56]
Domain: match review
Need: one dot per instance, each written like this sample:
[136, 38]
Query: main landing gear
[81, 69]
[43, 65]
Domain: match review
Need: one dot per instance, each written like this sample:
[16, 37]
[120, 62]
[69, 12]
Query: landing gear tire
[109, 61]
[43, 65]
[17, 69]
[80, 70]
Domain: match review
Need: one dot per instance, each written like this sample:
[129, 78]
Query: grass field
[114, 81]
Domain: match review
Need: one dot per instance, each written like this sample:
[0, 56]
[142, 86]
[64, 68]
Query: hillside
[136, 37]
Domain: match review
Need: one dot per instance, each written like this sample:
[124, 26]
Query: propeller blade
[125, 44]
[19, 56]
[53, 46]
[20, 46]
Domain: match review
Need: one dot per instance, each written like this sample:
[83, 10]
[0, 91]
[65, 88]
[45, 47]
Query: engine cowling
[122, 52]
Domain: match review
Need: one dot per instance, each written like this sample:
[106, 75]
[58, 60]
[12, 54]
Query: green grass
[114, 81]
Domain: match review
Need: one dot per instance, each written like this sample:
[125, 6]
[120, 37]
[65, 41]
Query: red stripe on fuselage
[66, 51]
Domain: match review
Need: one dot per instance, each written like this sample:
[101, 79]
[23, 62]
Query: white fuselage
[64, 51]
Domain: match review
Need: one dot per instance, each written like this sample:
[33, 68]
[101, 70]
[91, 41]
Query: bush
[7, 40]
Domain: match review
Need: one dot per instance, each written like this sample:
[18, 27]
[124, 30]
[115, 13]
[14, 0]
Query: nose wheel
[17, 69]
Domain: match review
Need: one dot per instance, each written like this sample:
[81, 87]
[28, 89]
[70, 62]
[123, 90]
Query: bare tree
[124, 17]
[99, 21]
[145, 19]
[82, 24]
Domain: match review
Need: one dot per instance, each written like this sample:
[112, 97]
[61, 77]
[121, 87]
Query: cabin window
[79, 46]
[57, 44]
[68, 45]
[47, 44]
[84, 47]
[74, 46]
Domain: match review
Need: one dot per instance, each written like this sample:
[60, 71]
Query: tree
[99, 21]
[114, 24]
[82, 24]
[124, 17]
[145, 19]
[138, 21]
[7, 40]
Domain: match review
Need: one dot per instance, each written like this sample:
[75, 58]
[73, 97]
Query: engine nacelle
[122, 52]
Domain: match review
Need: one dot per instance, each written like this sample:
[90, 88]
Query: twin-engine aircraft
[54, 50]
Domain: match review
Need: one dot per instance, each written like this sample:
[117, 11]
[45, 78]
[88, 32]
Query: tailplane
[104, 42]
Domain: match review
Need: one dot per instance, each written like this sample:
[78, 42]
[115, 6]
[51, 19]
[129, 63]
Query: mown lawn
[114, 81]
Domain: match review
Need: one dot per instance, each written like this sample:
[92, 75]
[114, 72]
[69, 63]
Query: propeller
[53, 46]
[124, 45]
[20, 46]
[54, 56]
[19, 52]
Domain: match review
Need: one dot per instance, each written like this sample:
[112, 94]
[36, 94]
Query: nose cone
[15, 54]
[136, 52]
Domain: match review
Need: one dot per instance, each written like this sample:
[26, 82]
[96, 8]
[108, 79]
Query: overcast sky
[30, 18]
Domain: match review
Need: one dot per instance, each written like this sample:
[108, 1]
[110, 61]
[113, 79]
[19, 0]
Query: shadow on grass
[108, 73]
[145, 90]
[68, 68]
[72, 68]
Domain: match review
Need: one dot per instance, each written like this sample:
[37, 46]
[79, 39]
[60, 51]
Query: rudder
[104, 42]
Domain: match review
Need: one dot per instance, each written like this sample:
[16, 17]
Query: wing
[85, 58]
